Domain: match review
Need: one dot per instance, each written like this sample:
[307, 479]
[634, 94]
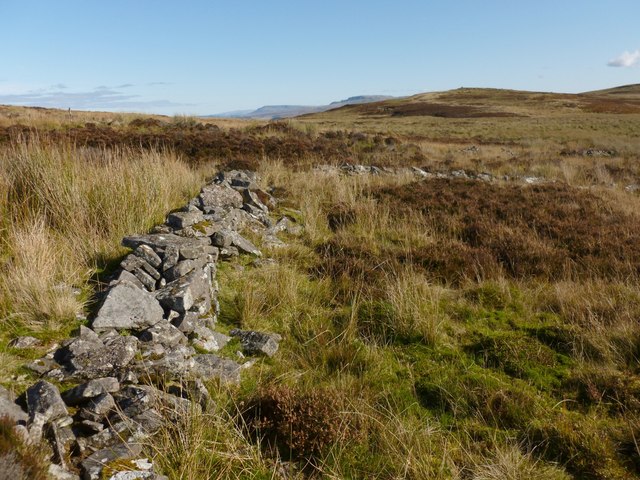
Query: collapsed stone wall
[156, 327]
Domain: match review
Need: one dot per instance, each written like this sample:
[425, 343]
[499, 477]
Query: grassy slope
[421, 339]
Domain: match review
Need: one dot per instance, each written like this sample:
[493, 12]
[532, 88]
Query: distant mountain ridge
[274, 112]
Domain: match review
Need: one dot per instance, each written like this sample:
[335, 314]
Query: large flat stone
[127, 307]
[209, 366]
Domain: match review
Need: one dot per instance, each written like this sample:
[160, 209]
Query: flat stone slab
[208, 366]
[127, 307]
[160, 241]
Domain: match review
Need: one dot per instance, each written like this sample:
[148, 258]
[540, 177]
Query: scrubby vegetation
[433, 328]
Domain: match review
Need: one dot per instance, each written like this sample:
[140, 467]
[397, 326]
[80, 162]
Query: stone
[98, 407]
[171, 257]
[57, 472]
[254, 343]
[252, 199]
[133, 263]
[163, 333]
[147, 280]
[214, 196]
[24, 342]
[9, 408]
[191, 252]
[222, 238]
[147, 253]
[184, 267]
[208, 366]
[129, 277]
[206, 339]
[90, 389]
[181, 294]
[92, 465]
[244, 245]
[238, 178]
[128, 307]
[60, 439]
[175, 363]
[186, 322]
[159, 242]
[180, 220]
[42, 366]
[91, 426]
[103, 359]
[44, 401]
[228, 252]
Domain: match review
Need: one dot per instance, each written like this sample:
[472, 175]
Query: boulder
[254, 343]
[128, 307]
[129, 277]
[102, 359]
[97, 409]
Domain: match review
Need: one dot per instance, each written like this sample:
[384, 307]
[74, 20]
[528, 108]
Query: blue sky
[200, 57]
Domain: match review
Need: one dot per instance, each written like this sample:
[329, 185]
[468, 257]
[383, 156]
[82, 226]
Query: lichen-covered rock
[206, 339]
[163, 333]
[24, 342]
[149, 255]
[90, 389]
[215, 196]
[181, 294]
[208, 366]
[93, 465]
[127, 307]
[254, 343]
[180, 220]
[98, 408]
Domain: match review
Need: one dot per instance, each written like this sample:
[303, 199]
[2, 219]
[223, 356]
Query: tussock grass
[65, 210]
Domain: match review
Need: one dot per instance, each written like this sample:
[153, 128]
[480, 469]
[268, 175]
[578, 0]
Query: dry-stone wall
[156, 325]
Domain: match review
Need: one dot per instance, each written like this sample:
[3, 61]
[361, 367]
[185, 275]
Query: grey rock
[128, 307]
[186, 322]
[171, 257]
[208, 366]
[228, 252]
[92, 465]
[90, 389]
[181, 294]
[98, 408]
[175, 363]
[57, 472]
[24, 342]
[91, 426]
[132, 263]
[129, 277]
[190, 252]
[206, 339]
[219, 196]
[147, 253]
[44, 401]
[162, 242]
[163, 333]
[147, 280]
[222, 238]
[60, 439]
[254, 343]
[238, 178]
[244, 245]
[252, 199]
[8, 407]
[42, 366]
[102, 360]
[184, 267]
[180, 220]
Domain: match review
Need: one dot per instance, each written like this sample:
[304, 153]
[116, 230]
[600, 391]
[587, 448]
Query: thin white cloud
[626, 59]
[101, 97]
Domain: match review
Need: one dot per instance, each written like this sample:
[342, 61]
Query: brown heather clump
[547, 231]
[298, 424]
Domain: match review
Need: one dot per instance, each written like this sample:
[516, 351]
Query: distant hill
[274, 112]
[490, 102]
